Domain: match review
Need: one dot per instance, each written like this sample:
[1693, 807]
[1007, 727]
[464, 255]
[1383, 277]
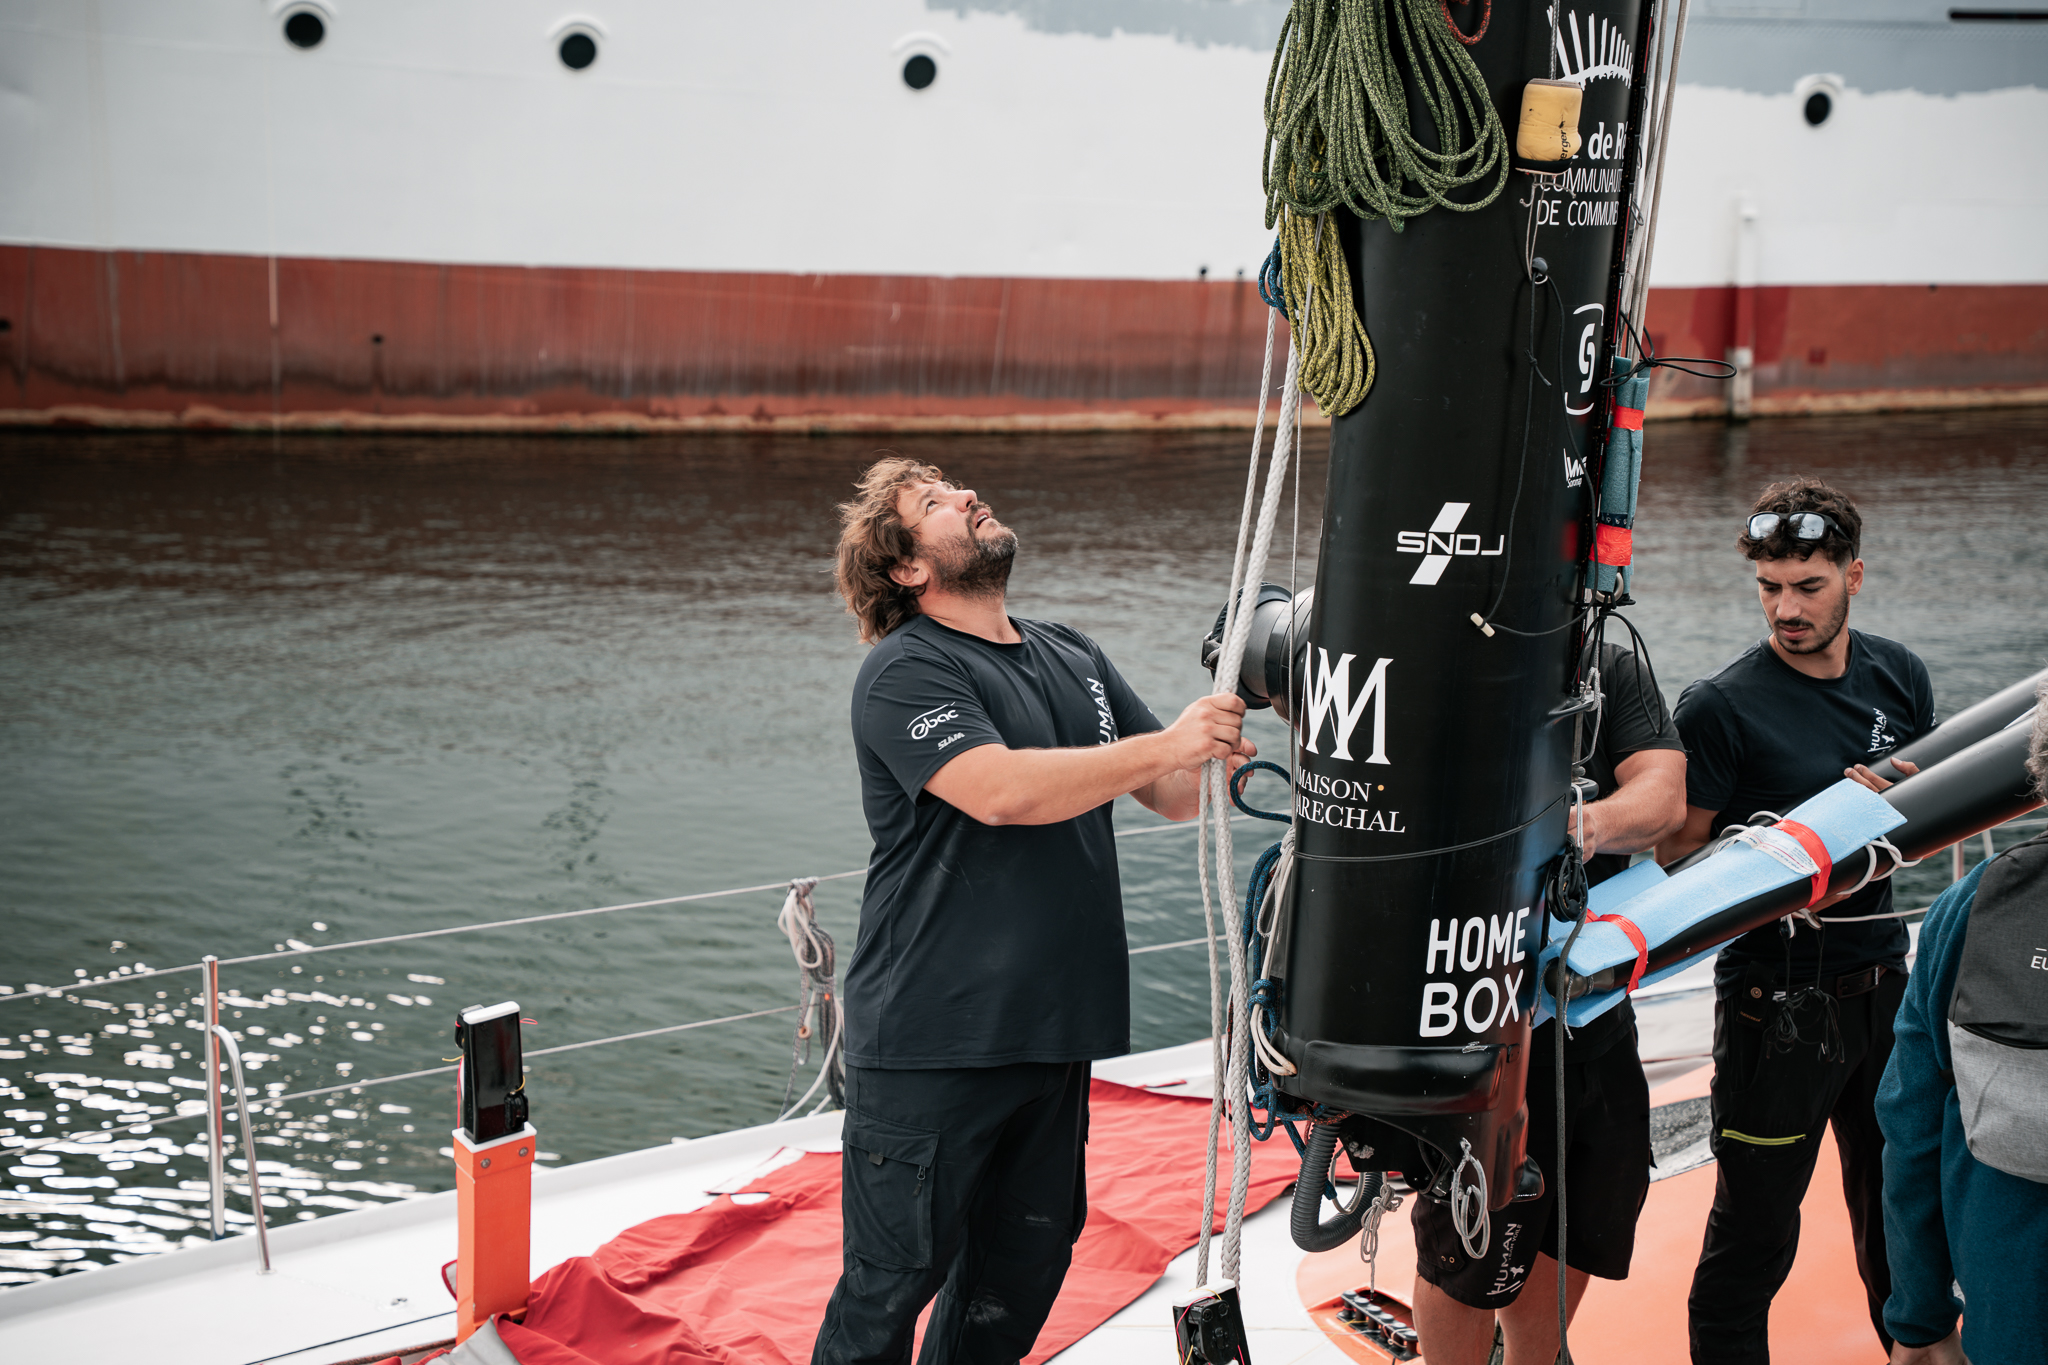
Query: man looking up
[1803, 1017]
[990, 967]
[1640, 770]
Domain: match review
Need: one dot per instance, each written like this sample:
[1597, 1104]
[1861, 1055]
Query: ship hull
[747, 215]
[153, 338]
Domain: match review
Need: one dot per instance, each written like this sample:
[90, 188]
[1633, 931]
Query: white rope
[1469, 1216]
[1202, 823]
[1384, 1203]
[1272, 1058]
[816, 987]
[1247, 568]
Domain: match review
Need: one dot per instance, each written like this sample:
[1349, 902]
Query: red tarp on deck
[732, 1283]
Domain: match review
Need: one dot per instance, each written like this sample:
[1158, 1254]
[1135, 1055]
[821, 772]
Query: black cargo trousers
[968, 1183]
[1774, 1093]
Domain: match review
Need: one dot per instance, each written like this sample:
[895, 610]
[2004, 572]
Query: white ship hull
[741, 213]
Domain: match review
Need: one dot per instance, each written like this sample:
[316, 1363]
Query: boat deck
[366, 1284]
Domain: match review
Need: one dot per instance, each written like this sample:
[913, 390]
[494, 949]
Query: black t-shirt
[982, 945]
[1633, 718]
[1764, 737]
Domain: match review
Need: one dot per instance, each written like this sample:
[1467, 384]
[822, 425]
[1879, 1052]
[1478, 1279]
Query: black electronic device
[1208, 1327]
[491, 1083]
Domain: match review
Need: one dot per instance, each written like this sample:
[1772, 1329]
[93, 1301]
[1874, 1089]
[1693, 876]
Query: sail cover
[747, 1282]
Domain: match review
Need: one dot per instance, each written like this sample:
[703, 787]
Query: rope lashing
[1337, 362]
[821, 1016]
[1337, 118]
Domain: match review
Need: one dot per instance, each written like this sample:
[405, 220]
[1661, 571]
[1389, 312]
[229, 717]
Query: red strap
[1815, 850]
[1614, 545]
[1635, 936]
[1628, 419]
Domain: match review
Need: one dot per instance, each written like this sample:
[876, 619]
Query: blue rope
[1269, 281]
[1237, 781]
[1278, 1108]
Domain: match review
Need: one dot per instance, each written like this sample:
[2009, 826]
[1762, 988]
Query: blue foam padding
[1846, 817]
[1616, 890]
[1601, 900]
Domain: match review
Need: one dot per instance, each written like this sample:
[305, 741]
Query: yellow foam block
[1549, 130]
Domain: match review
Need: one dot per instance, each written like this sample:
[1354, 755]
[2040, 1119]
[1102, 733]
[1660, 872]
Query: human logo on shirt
[1882, 740]
[1105, 719]
[932, 720]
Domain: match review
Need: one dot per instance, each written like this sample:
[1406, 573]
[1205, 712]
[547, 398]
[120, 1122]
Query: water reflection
[306, 691]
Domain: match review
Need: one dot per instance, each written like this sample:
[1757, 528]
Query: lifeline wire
[116, 978]
[269, 1103]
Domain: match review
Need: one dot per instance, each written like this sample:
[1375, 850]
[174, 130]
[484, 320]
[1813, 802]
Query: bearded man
[1803, 1015]
[990, 967]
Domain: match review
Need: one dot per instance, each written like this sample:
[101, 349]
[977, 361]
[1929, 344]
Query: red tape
[1615, 545]
[1635, 936]
[1815, 850]
[1628, 419]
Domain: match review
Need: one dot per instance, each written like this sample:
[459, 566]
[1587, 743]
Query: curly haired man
[990, 967]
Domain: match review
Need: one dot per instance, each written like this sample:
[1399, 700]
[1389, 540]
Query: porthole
[304, 28]
[577, 50]
[920, 71]
[1816, 96]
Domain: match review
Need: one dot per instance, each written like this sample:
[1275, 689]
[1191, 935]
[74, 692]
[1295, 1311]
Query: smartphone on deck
[492, 1079]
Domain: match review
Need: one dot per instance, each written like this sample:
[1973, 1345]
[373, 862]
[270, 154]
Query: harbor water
[272, 692]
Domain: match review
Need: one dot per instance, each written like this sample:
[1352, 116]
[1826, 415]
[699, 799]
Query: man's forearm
[1177, 795]
[1000, 786]
[1637, 816]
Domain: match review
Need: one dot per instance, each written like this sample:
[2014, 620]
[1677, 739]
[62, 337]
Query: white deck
[356, 1284]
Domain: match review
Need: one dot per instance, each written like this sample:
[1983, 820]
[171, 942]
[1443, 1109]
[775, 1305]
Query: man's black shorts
[1607, 1133]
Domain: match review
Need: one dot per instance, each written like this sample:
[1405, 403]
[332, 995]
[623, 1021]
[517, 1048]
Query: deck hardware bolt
[487, 1163]
[522, 1151]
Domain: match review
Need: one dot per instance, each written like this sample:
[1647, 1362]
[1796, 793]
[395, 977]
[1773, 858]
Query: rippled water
[267, 693]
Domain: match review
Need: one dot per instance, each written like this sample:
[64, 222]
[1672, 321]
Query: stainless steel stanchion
[216, 1161]
[248, 1147]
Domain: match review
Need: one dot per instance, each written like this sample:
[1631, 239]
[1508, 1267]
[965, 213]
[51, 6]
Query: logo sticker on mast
[1442, 542]
[1330, 698]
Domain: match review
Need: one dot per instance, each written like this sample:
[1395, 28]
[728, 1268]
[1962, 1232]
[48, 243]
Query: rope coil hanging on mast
[1338, 136]
[1337, 113]
[1337, 363]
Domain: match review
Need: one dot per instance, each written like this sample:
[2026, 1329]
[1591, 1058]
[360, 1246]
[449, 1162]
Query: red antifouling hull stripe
[150, 332]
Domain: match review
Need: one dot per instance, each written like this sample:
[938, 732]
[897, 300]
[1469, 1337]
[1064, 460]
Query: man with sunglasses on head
[1803, 1014]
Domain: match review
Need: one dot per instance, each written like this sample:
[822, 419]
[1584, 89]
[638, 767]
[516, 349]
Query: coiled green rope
[1337, 114]
[1337, 364]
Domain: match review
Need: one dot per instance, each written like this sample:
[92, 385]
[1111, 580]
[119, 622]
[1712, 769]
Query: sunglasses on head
[1801, 525]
